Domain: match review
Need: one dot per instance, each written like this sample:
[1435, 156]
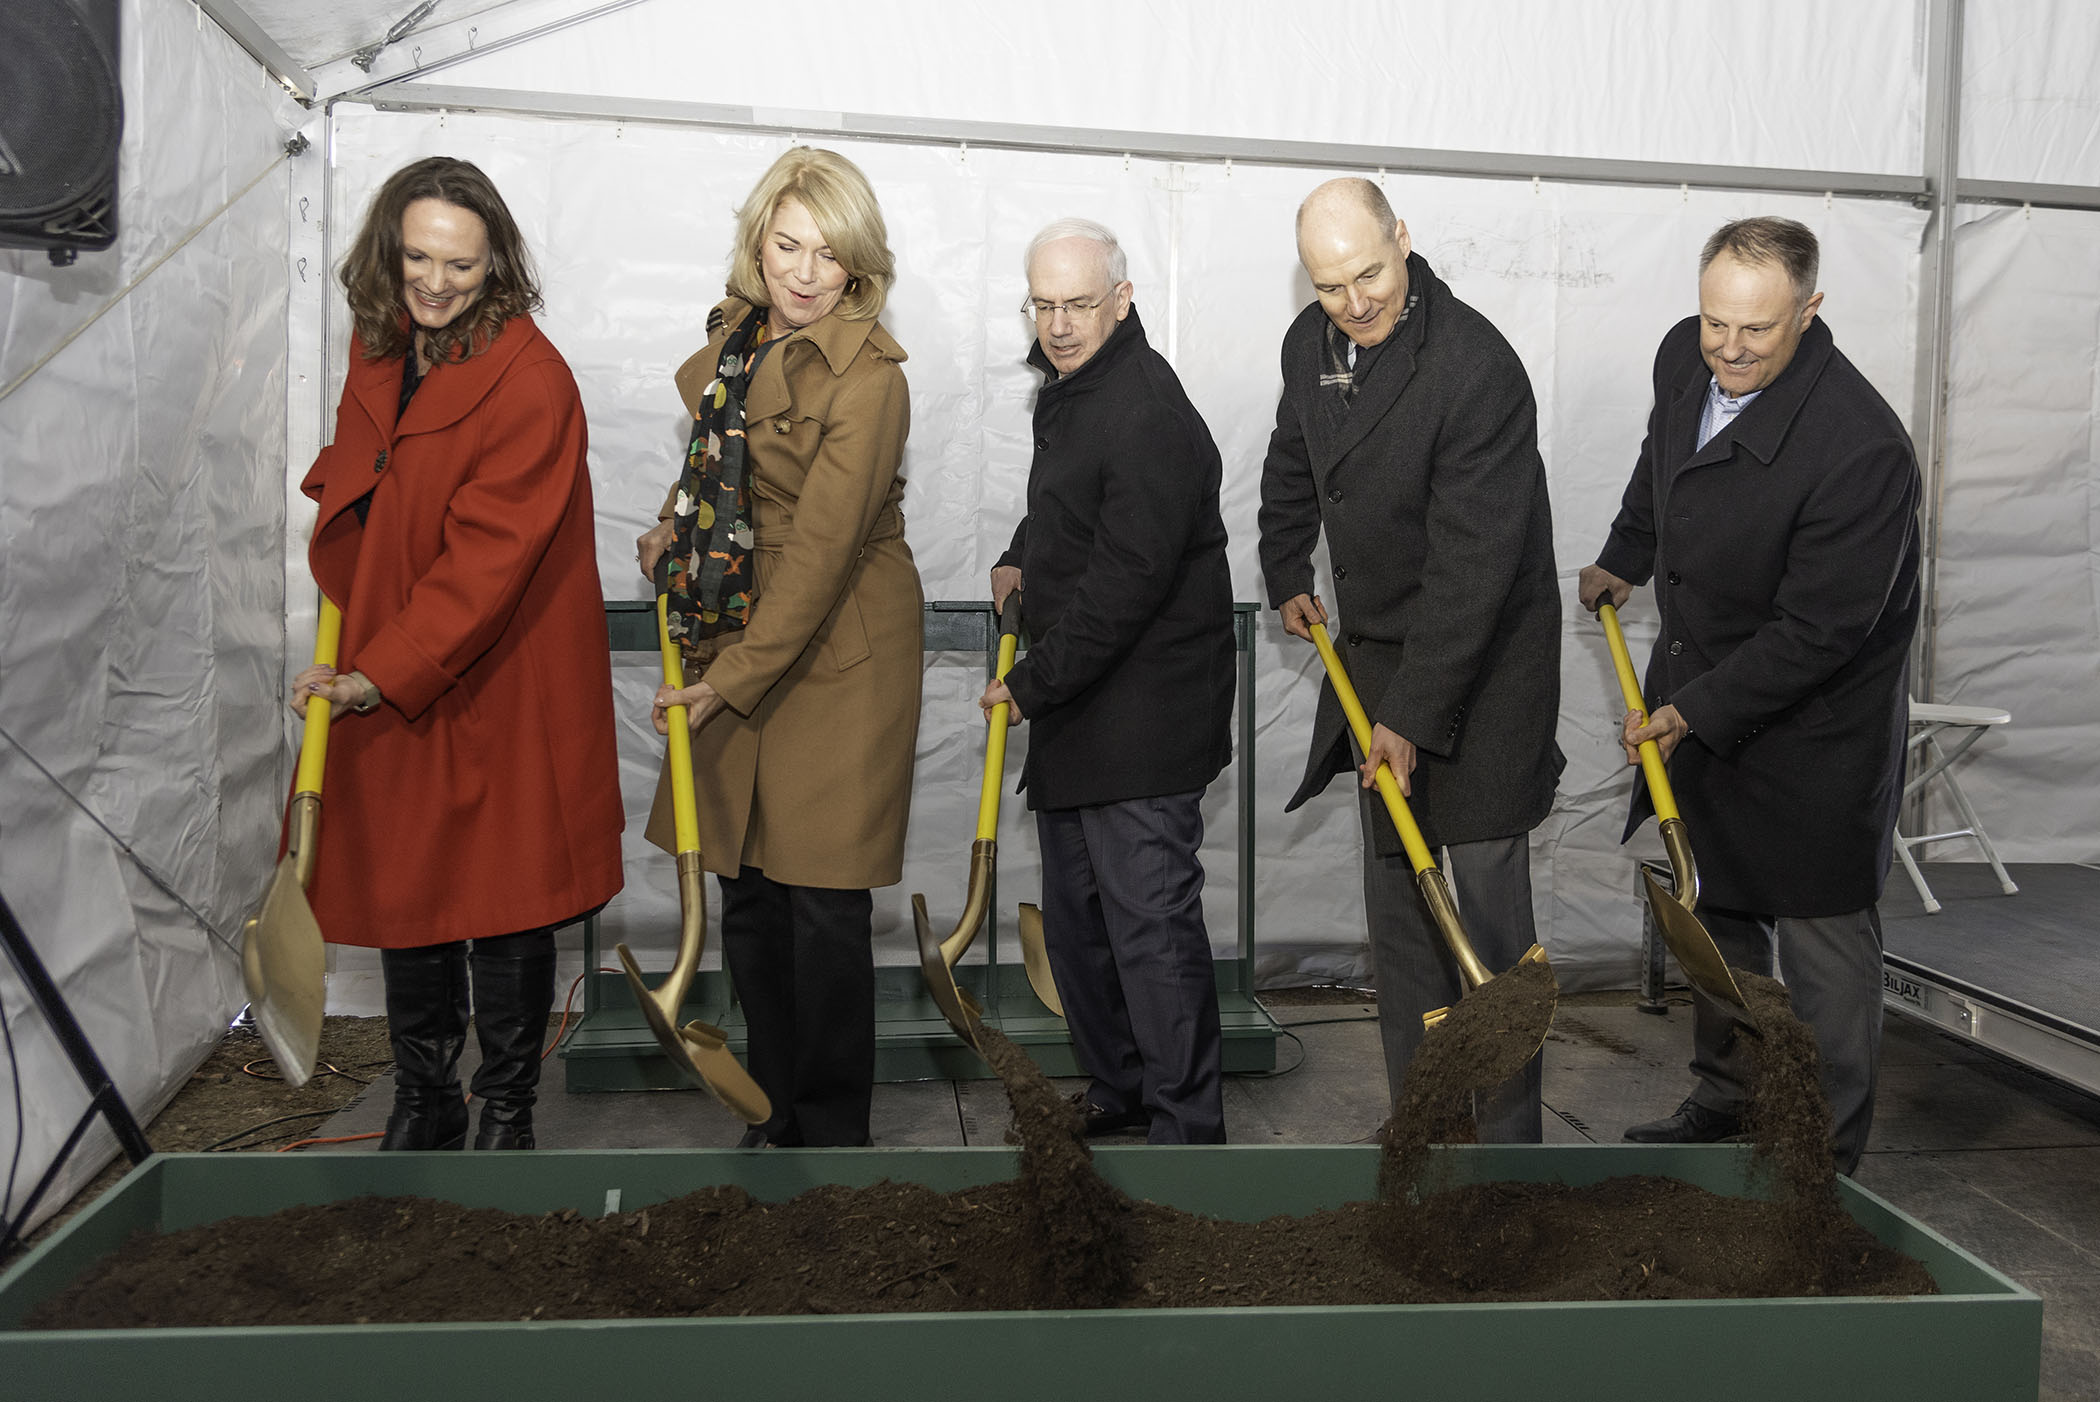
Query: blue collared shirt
[1720, 411]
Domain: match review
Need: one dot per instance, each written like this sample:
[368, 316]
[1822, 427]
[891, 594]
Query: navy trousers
[1123, 922]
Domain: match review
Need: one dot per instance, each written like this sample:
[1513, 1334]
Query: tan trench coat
[807, 773]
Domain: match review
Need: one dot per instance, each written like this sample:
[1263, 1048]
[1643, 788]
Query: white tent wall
[632, 223]
[141, 603]
[2030, 103]
[2019, 548]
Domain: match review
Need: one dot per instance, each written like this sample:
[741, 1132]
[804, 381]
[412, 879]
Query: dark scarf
[1337, 374]
[710, 581]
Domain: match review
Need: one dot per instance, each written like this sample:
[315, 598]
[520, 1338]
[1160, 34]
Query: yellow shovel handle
[313, 744]
[1360, 726]
[685, 821]
[995, 742]
[1630, 687]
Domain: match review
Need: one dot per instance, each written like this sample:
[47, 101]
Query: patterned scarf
[1339, 375]
[710, 580]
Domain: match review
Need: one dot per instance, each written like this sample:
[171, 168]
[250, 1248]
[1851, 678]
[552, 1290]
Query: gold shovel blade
[1035, 957]
[1695, 950]
[1498, 1005]
[707, 1064]
[284, 963]
[958, 1007]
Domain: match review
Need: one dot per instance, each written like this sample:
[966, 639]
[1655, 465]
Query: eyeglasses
[1076, 307]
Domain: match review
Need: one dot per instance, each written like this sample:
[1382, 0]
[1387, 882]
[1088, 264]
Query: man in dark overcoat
[1774, 505]
[1407, 432]
[1127, 687]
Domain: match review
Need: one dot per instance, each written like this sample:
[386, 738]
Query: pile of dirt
[1057, 1236]
[1487, 1038]
[1497, 1236]
[1078, 1225]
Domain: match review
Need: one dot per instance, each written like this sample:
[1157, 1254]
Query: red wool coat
[482, 797]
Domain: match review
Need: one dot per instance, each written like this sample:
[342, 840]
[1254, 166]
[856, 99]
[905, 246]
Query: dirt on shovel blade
[1056, 1236]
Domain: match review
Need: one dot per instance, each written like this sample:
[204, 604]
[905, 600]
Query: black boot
[513, 993]
[426, 1020]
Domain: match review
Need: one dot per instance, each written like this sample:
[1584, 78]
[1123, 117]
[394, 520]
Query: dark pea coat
[1432, 494]
[1127, 682]
[1785, 561]
[483, 796]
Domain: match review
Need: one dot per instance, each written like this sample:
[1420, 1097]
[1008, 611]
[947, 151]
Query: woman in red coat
[473, 787]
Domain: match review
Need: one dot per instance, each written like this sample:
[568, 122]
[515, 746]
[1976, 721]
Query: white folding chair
[1930, 760]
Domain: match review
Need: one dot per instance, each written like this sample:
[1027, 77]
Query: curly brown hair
[372, 273]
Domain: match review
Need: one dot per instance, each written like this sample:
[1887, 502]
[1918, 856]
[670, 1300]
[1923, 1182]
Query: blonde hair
[843, 205]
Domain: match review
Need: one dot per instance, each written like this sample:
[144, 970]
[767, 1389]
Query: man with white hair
[1127, 686]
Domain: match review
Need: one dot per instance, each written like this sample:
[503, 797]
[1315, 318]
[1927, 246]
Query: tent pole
[1942, 149]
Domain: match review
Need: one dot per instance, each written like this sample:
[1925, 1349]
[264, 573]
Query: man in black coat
[1127, 684]
[1407, 432]
[1775, 506]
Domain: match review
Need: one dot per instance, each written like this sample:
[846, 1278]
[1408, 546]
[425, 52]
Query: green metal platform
[1978, 1341]
[611, 1048]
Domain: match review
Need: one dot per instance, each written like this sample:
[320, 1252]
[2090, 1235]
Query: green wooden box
[1980, 1339]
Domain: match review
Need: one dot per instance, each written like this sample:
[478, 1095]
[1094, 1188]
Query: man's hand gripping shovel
[1688, 939]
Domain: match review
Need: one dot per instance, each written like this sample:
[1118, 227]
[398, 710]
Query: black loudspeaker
[61, 118]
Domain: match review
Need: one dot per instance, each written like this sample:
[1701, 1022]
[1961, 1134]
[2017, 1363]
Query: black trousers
[803, 961]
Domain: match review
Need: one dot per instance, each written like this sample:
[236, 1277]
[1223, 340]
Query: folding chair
[1930, 760]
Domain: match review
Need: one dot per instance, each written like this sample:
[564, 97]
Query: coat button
[1676, 648]
[1341, 572]
[1041, 444]
[1676, 578]
[783, 426]
[1334, 493]
[1356, 640]
[379, 463]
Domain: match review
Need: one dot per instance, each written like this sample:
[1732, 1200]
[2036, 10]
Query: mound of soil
[1057, 1236]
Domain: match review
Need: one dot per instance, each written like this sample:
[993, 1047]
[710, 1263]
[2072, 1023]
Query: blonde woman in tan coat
[799, 607]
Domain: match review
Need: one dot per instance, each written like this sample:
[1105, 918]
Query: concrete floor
[2000, 1160]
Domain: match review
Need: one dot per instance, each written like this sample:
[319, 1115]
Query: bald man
[1407, 434]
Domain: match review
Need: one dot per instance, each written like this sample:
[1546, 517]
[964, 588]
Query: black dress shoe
[1100, 1121]
[1692, 1123]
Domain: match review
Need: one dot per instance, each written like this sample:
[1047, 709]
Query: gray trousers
[1123, 923]
[1416, 973]
[1831, 965]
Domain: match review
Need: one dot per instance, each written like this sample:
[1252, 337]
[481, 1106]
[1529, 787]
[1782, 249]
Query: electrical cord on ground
[220, 1146]
[1277, 1071]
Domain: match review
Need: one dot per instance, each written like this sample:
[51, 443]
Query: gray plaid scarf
[1339, 375]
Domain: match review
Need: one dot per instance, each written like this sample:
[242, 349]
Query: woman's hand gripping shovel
[284, 961]
[699, 1050]
[937, 957]
[1479, 1002]
[1696, 952]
